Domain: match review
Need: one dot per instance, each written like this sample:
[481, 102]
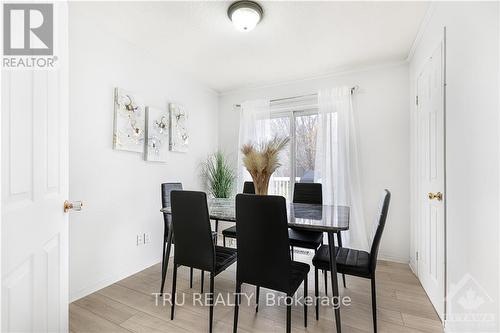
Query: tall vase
[261, 182]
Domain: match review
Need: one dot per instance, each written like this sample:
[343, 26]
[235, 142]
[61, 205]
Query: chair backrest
[308, 193]
[194, 246]
[166, 188]
[263, 245]
[248, 188]
[378, 226]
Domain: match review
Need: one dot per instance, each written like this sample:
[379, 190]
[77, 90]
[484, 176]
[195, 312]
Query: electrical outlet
[147, 238]
[140, 239]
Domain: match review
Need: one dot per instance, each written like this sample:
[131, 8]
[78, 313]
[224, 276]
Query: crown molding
[352, 70]
[423, 26]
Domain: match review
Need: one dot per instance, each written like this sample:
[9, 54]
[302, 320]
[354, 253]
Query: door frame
[415, 185]
[1, 199]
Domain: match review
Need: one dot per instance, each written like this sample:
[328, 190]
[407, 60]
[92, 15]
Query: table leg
[166, 258]
[335, 286]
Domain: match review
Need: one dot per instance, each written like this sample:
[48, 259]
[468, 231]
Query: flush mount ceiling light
[245, 14]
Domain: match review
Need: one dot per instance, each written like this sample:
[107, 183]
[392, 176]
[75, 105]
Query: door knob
[72, 205]
[438, 196]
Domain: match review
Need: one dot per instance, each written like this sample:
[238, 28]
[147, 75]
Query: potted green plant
[219, 175]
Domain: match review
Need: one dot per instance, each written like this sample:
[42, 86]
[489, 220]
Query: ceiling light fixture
[245, 14]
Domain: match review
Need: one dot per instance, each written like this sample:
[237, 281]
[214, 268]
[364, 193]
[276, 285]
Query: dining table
[313, 217]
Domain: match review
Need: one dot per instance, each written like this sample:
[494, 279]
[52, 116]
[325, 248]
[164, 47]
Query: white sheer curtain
[337, 165]
[254, 127]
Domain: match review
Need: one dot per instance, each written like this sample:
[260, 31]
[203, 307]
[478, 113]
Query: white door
[430, 113]
[34, 186]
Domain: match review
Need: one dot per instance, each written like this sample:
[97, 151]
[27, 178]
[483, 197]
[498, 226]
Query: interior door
[34, 187]
[431, 158]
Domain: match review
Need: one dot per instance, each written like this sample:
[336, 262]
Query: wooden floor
[129, 306]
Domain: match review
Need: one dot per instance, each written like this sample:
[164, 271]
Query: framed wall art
[157, 134]
[129, 121]
[179, 134]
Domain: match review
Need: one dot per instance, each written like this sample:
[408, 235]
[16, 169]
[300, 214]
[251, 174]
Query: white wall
[121, 191]
[383, 124]
[472, 142]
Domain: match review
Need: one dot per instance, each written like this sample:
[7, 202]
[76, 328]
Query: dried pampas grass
[262, 160]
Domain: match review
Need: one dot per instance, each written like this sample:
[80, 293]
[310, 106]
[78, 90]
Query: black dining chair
[264, 251]
[166, 188]
[194, 243]
[356, 262]
[230, 232]
[309, 193]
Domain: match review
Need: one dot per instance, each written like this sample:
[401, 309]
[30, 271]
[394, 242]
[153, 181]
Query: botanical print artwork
[179, 136]
[129, 122]
[157, 133]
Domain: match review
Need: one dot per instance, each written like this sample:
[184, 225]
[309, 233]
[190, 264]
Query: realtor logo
[28, 29]
[469, 307]
[28, 36]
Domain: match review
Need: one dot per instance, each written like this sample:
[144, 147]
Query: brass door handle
[72, 205]
[438, 196]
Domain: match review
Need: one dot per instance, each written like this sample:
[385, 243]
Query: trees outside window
[299, 157]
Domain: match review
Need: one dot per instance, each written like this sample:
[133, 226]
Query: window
[299, 157]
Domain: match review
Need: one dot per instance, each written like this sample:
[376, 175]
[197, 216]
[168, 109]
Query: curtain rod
[353, 89]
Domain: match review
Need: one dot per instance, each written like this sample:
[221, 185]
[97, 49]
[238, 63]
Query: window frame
[292, 114]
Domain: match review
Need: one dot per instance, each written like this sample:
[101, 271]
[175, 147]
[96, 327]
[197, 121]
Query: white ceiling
[294, 40]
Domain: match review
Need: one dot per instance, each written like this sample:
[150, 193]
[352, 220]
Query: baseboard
[386, 257]
[109, 280]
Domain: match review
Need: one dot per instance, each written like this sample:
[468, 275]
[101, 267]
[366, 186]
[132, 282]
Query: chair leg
[374, 305]
[224, 241]
[217, 226]
[291, 249]
[166, 257]
[236, 306]
[316, 294]
[174, 283]
[325, 273]
[202, 281]
[339, 241]
[163, 252]
[305, 305]
[163, 270]
[257, 292]
[289, 317]
[190, 277]
[211, 301]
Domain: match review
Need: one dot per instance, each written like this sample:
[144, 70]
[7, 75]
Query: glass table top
[300, 216]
